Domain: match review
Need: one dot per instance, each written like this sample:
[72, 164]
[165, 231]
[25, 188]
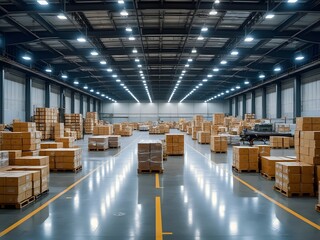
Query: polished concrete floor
[201, 198]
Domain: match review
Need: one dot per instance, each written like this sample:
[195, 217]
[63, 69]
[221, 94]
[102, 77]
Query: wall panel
[271, 100]
[287, 98]
[248, 103]
[310, 94]
[259, 103]
[55, 96]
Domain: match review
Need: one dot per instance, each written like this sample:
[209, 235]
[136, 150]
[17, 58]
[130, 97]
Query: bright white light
[109, 70]
[114, 75]
[200, 84]
[85, 87]
[248, 39]
[194, 50]
[180, 77]
[277, 69]
[48, 70]
[64, 76]
[81, 39]
[292, 1]
[134, 50]
[184, 71]
[234, 53]
[137, 60]
[299, 57]
[209, 75]
[139, 66]
[118, 80]
[98, 92]
[223, 62]
[61, 16]
[237, 87]
[128, 29]
[43, 2]
[261, 75]
[222, 93]
[232, 89]
[213, 12]
[124, 13]
[102, 95]
[246, 82]
[103, 62]
[216, 70]
[187, 65]
[197, 86]
[200, 38]
[120, 1]
[190, 60]
[204, 29]
[121, 84]
[205, 80]
[76, 82]
[269, 16]
[227, 91]
[131, 38]
[91, 90]
[94, 53]
[26, 57]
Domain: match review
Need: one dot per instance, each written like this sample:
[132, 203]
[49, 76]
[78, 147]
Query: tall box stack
[175, 144]
[195, 131]
[63, 158]
[245, 159]
[294, 179]
[189, 130]
[103, 130]
[206, 126]
[218, 144]
[248, 117]
[218, 118]
[28, 142]
[93, 116]
[97, 143]
[75, 123]
[204, 137]
[114, 141]
[46, 145]
[16, 187]
[88, 125]
[268, 165]
[117, 128]
[58, 130]
[68, 142]
[4, 159]
[69, 133]
[126, 131]
[45, 119]
[279, 142]
[197, 121]
[31, 161]
[24, 127]
[150, 156]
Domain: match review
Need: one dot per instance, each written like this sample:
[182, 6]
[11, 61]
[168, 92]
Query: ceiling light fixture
[94, 53]
[81, 39]
[299, 56]
[109, 69]
[204, 80]
[137, 60]
[292, 1]
[128, 29]
[213, 12]
[43, 2]
[238, 87]
[114, 75]
[139, 66]
[48, 70]
[190, 60]
[187, 65]
[103, 62]
[120, 1]
[194, 50]
[76, 82]
[26, 57]
[204, 29]
[64, 76]
[269, 15]
[223, 62]
[61, 16]
[234, 53]
[132, 38]
[124, 13]
[209, 75]
[246, 82]
[248, 39]
[262, 75]
[277, 69]
[85, 87]
[200, 38]
[91, 90]
[118, 80]
[134, 50]
[215, 69]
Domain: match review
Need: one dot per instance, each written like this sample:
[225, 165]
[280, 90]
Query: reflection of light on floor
[207, 190]
[214, 199]
[90, 185]
[181, 188]
[233, 227]
[76, 201]
[222, 210]
[98, 178]
[48, 227]
[103, 209]
[190, 216]
[185, 198]
[93, 223]
[197, 233]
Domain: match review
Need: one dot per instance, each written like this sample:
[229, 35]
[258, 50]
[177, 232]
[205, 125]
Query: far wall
[141, 112]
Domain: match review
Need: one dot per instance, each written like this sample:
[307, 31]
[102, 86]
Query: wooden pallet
[292, 194]
[97, 150]
[203, 143]
[317, 207]
[265, 175]
[280, 147]
[75, 170]
[244, 170]
[140, 171]
[219, 151]
[171, 154]
[20, 205]
[42, 194]
[115, 147]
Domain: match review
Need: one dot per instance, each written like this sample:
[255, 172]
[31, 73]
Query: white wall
[287, 98]
[14, 96]
[67, 94]
[37, 94]
[258, 103]
[140, 112]
[84, 105]
[310, 94]
[76, 103]
[55, 97]
[271, 101]
[240, 100]
[248, 102]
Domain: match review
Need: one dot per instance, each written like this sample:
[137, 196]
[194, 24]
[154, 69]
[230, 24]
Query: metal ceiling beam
[152, 5]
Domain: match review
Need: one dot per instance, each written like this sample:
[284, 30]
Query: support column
[72, 102]
[1, 94]
[62, 98]
[236, 103]
[264, 103]
[230, 106]
[94, 105]
[47, 94]
[244, 105]
[297, 97]
[278, 92]
[81, 103]
[28, 99]
[88, 104]
[99, 106]
[253, 102]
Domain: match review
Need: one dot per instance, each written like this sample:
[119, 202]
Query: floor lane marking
[159, 233]
[306, 220]
[157, 180]
[44, 205]
[167, 233]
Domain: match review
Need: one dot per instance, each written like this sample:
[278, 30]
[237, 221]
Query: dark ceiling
[165, 32]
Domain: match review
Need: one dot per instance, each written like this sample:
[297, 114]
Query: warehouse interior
[159, 119]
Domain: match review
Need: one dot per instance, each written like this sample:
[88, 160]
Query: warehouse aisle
[200, 199]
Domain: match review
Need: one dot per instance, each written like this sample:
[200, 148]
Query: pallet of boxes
[279, 142]
[74, 122]
[103, 130]
[150, 156]
[175, 144]
[245, 159]
[90, 121]
[196, 126]
[301, 178]
[98, 143]
[218, 144]
[45, 119]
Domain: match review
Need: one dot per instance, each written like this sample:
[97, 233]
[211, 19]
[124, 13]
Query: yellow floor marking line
[157, 181]
[22, 220]
[159, 233]
[306, 220]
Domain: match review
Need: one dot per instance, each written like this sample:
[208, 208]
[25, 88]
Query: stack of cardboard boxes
[219, 144]
[195, 131]
[117, 128]
[248, 117]
[69, 133]
[58, 130]
[46, 145]
[31, 161]
[268, 165]
[150, 156]
[206, 126]
[175, 144]
[75, 123]
[90, 121]
[114, 141]
[96, 143]
[126, 131]
[284, 128]
[45, 119]
[218, 118]
[189, 130]
[279, 142]
[103, 130]
[294, 179]
[204, 137]
[245, 159]
[63, 158]
[68, 142]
